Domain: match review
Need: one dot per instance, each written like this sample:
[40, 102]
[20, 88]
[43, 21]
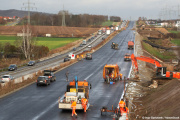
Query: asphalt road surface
[48, 62]
[41, 102]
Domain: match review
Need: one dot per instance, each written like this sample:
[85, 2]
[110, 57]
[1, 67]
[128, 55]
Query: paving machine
[114, 46]
[76, 90]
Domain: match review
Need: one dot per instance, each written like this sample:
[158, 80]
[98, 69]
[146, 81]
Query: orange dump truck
[130, 45]
[76, 90]
[111, 73]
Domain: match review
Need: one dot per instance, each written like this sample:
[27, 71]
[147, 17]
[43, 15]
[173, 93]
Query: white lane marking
[89, 76]
[93, 73]
[46, 110]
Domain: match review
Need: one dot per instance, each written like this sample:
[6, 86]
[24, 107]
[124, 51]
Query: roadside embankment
[147, 103]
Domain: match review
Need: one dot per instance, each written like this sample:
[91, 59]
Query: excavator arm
[143, 58]
[160, 72]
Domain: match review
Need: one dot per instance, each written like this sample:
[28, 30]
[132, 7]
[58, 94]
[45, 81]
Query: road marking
[88, 76]
[46, 110]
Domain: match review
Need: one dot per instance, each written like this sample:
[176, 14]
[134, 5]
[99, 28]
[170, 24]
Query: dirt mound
[57, 31]
[162, 30]
[152, 34]
[162, 102]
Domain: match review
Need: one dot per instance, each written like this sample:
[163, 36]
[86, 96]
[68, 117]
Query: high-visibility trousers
[73, 111]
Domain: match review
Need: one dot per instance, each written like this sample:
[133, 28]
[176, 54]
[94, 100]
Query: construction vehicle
[127, 57]
[76, 90]
[111, 73]
[130, 45]
[161, 72]
[114, 46]
[115, 111]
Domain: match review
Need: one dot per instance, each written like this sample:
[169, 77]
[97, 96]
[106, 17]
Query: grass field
[107, 23]
[176, 41]
[51, 43]
[174, 31]
[163, 56]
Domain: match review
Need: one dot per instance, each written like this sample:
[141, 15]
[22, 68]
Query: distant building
[178, 24]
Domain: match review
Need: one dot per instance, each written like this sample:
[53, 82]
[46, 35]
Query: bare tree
[26, 42]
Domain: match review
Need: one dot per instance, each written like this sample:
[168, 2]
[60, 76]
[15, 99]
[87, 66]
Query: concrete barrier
[18, 80]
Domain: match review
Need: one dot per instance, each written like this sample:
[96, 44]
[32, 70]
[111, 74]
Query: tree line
[71, 20]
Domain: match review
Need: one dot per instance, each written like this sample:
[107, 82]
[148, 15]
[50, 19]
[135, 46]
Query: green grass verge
[51, 43]
[107, 23]
[163, 56]
[174, 31]
[176, 41]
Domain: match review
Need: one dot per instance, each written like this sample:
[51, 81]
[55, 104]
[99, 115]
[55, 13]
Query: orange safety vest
[121, 104]
[73, 104]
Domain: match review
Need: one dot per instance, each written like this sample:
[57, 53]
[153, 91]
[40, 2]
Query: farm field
[107, 23]
[51, 43]
[176, 41]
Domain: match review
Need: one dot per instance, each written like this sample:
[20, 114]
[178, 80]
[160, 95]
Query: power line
[63, 17]
[29, 7]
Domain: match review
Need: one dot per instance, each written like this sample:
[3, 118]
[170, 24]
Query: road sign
[73, 56]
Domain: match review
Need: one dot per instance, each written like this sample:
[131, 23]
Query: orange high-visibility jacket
[73, 104]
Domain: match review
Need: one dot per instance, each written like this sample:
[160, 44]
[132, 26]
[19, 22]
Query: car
[89, 46]
[69, 55]
[31, 63]
[7, 78]
[88, 56]
[127, 57]
[81, 45]
[74, 49]
[66, 59]
[12, 67]
[50, 75]
[89, 40]
[92, 38]
[43, 80]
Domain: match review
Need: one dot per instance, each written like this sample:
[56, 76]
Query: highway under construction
[34, 102]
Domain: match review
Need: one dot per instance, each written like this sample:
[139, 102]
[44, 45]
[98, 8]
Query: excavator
[161, 72]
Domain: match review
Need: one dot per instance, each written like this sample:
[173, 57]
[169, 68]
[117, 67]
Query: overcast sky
[122, 8]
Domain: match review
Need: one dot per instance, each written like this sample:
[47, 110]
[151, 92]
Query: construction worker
[64, 97]
[67, 74]
[84, 102]
[124, 110]
[121, 104]
[73, 106]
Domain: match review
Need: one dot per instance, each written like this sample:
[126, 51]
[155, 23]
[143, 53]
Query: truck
[84, 42]
[108, 32]
[75, 91]
[104, 30]
[111, 73]
[130, 45]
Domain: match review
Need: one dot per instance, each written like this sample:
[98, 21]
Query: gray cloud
[122, 8]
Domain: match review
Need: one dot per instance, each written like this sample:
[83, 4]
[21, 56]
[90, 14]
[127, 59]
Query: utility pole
[26, 46]
[28, 7]
[63, 17]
